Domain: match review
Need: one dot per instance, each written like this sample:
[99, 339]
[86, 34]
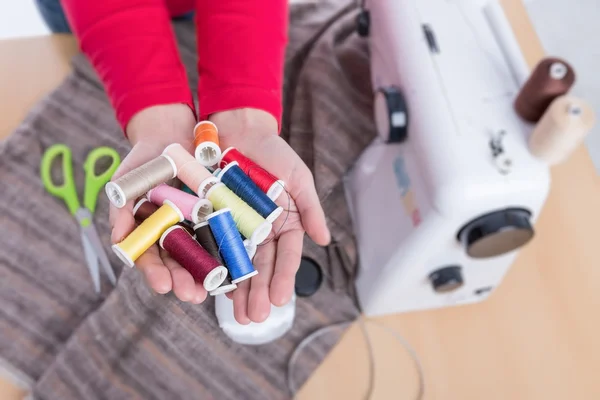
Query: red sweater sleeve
[132, 46]
[241, 50]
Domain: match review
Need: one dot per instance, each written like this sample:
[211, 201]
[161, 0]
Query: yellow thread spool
[147, 233]
[249, 222]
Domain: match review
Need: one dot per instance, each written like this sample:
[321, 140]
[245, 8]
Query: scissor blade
[91, 260]
[92, 236]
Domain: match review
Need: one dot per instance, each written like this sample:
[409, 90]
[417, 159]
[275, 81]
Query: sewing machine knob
[496, 233]
[391, 115]
[446, 279]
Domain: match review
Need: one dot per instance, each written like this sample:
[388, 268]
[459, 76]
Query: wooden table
[535, 338]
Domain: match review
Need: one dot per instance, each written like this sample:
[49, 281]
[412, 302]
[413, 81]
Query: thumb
[121, 221]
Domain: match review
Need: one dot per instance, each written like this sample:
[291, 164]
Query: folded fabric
[137, 344]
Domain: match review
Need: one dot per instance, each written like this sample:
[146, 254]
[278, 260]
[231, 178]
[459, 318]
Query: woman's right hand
[150, 131]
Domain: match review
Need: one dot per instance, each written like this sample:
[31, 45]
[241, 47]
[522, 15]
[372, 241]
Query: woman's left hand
[254, 133]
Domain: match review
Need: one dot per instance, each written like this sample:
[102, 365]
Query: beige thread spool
[140, 180]
[189, 170]
[563, 127]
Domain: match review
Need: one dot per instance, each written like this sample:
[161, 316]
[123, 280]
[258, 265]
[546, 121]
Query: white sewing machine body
[410, 200]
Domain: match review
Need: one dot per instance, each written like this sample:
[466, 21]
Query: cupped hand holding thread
[254, 133]
[150, 131]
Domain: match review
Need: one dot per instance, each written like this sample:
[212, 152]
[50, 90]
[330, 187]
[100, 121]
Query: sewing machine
[446, 196]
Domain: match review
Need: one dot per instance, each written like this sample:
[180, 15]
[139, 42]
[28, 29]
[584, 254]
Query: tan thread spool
[561, 130]
[189, 170]
[551, 78]
[140, 180]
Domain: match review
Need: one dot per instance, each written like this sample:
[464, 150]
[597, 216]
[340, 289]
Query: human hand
[254, 133]
[150, 131]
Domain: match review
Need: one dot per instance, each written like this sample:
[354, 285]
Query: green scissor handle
[94, 183]
[67, 190]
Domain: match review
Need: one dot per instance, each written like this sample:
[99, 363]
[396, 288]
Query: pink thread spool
[193, 208]
[189, 170]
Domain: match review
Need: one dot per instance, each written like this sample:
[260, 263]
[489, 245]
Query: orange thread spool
[206, 140]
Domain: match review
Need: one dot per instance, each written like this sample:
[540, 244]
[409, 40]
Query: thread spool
[206, 140]
[245, 188]
[268, 183]
[562, 128]
[248, 222]
[139, 180]
[144, 208]
[551, 78]
[187, 189]
[230, 245]
[191, 256]
[147, 233]
[206, 185]
[226, 287]
[193, 208]
[205, 237]
[216, 172]
[189, 170]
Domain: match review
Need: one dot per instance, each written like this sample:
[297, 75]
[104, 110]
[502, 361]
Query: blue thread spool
[241, 184]
[230, 245]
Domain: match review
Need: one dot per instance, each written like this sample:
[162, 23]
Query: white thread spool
[563, 127]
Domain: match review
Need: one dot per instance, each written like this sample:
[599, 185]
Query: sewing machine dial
[391, 115]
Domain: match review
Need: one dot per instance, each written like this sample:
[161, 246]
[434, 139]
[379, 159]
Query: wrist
[162, 125]
[244, 122]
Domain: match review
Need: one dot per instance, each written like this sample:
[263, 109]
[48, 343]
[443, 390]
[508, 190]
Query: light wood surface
[535, 338]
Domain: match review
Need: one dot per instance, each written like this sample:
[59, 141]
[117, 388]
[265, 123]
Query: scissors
[67, 191]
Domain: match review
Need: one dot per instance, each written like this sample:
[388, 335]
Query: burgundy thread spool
[145, 208]
[191, 256]
[551, 78]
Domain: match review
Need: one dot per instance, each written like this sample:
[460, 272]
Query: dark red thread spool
[191, 256]
[551, 78]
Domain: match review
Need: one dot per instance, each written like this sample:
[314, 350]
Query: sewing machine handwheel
[391, 115]
[496, 233]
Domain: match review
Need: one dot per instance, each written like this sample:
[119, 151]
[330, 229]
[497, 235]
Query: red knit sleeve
[132, 46]
[241, 50]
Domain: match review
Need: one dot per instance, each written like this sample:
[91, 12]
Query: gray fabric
[131, 343]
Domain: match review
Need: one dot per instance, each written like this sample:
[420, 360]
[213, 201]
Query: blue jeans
[54, 15]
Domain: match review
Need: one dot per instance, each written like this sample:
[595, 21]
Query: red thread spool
[551, 78]
[191, 256]
[268, 183]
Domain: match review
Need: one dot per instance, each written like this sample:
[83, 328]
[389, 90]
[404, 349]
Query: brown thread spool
[562, 128]
[145, 208]
[551, 78]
